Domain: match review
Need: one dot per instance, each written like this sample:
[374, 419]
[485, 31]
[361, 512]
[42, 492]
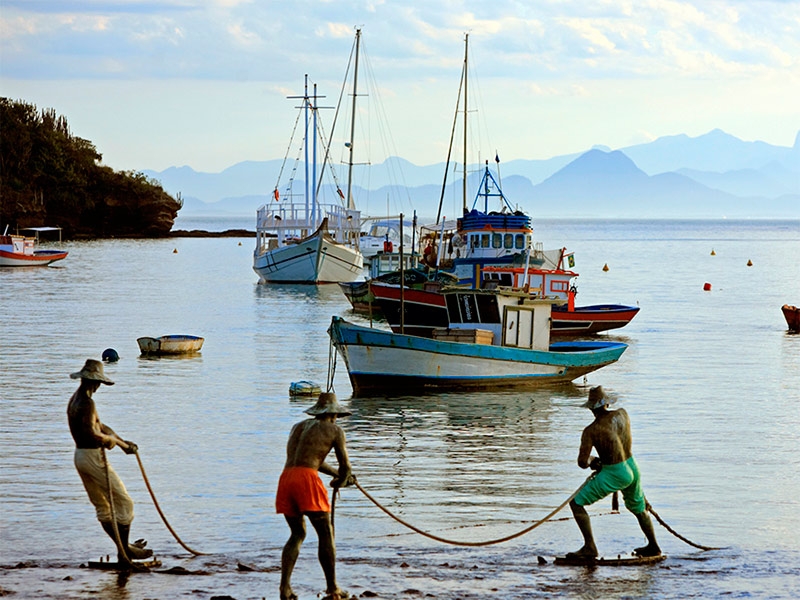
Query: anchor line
[161, 514]
[331, 366]
[437, 538]
[123, 551]
[676, 534]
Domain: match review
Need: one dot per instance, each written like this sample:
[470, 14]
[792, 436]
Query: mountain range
[715, 175]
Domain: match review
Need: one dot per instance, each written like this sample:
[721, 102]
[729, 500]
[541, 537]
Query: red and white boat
[431, 308]
[22, 251]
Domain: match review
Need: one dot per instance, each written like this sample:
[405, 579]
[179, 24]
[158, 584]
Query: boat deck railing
[294, 220]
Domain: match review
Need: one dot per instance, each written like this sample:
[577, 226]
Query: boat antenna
[350, 204]
[497, 162]
[450, 147]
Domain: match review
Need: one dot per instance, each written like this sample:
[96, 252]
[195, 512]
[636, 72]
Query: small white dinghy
[170, 344]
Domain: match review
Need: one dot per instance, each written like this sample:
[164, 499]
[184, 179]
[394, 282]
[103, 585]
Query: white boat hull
[384, 362]
[317, 259]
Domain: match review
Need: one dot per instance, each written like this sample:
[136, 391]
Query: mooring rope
[548, 517]
[473, 544]
[331, 366]
[160, 512]
[675, 533]
[115, 529]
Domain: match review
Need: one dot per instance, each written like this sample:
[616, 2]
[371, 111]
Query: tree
[49, 175]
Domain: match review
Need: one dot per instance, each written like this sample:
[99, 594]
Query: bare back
[311, 441]
[610, 435]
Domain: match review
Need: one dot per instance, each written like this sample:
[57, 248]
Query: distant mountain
[712, 175]
[609, 184]
[714, 151]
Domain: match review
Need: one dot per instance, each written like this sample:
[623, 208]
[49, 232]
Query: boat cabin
[514, 317]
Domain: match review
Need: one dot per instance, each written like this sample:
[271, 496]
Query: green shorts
[623, 477]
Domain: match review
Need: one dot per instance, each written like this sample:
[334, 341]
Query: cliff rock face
[50, 177]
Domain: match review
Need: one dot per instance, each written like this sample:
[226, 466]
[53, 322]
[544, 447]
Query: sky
[204, 83]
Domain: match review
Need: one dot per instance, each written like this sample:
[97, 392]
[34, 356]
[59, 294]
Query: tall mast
[351, 205]
[305, 142]
[314, 216]
[464, 183]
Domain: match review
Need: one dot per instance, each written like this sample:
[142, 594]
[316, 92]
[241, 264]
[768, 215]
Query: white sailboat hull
[316, 259]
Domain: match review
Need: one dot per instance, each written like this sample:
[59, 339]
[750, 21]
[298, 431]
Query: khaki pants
[89, 462]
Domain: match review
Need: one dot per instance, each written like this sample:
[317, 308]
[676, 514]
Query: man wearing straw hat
[302, 493]
[91, 437]
[616, 470]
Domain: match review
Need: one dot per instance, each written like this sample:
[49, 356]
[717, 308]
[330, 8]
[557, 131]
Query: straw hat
[93, 369]
[327, 405]
[598, 398]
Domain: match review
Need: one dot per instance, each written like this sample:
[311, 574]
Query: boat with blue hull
[513, 353]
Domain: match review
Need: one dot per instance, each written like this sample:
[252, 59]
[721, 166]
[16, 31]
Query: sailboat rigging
[310, 241]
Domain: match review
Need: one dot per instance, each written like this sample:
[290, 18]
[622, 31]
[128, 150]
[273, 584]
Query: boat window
[452, 308]
[508, 241]
[487, 308]
[520, 241]
[474, 241]
[485, 240]
[559, 286]
[505, 278]
[497, 240]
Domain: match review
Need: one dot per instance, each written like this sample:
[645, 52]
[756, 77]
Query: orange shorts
[300, 491]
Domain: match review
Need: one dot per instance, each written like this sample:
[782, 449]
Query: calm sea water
[711, 380]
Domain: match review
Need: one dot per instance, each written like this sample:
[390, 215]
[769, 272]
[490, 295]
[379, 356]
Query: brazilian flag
[571, 260]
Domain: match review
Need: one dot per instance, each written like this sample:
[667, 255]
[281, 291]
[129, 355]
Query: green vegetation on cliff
[50, 177]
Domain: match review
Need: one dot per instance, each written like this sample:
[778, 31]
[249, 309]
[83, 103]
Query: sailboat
[302, 239]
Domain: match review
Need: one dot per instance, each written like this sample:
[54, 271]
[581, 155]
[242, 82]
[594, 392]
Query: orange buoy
[749, 263]
[707, 287]
[605, 267]
[713, 253]
[175, 251]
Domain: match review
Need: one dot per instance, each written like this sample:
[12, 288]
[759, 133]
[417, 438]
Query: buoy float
[175, 251]
[707, 287]
[749, 263]
[605, 267]
[713, 253]
[110, 355]
[240, 243]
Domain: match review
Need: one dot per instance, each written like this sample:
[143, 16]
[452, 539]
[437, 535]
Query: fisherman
[302, 493]
[616, 470]
[91, 437]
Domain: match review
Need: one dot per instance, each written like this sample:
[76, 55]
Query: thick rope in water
[675, 533]
[160, 512]
[122, 551]
[473, 544]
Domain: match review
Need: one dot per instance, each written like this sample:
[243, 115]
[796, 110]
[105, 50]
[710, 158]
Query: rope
[473, 544]
[675, 533]
[122, 551]
[331, 365]
[158, 508]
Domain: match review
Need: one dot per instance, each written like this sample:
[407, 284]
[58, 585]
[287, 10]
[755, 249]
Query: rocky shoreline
[200, 233]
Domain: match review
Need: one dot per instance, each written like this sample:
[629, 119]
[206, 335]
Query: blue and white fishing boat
[490, 233]
[514, 352]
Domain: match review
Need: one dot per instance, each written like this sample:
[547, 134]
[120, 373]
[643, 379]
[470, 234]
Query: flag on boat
[340, 192]
[571, 259]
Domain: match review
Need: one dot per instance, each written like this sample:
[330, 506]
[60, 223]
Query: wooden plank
[619, 561]
[114, 566]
